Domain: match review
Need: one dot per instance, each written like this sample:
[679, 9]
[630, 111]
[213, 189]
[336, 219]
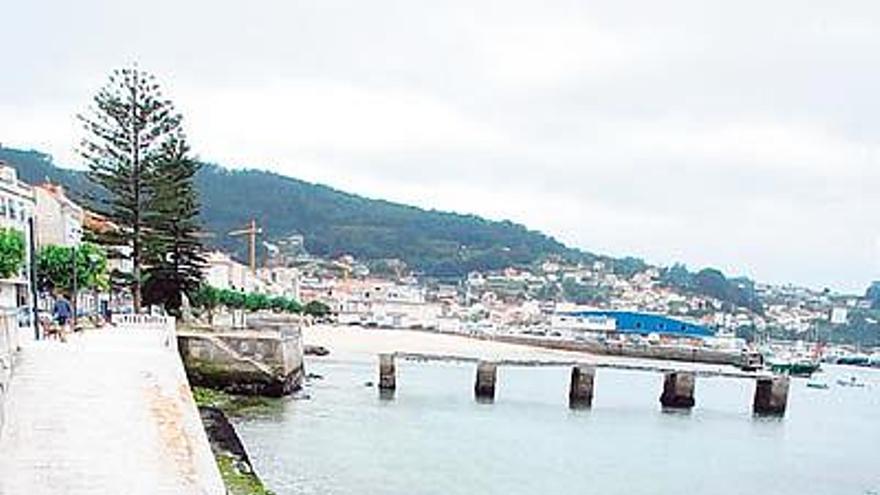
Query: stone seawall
[8, 348]
[265, 359]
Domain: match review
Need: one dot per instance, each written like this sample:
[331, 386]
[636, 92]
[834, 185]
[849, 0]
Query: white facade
[838, 316]
[281, 281]
[385, 304]
[589, 323]
[16, 212]
[222, 272]
[59, 221]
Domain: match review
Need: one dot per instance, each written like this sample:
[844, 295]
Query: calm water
[432, 438]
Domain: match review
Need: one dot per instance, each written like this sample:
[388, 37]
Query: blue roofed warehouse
[633, 322]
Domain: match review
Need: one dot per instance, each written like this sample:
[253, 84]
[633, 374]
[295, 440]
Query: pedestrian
[62, 312]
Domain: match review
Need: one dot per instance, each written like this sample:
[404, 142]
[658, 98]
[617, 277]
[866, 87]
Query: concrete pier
[771, 395]
[387, 372]
[580, 392]
[678, 390]
[484, 387]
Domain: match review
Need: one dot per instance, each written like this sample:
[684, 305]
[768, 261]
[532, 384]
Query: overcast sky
[742, 135]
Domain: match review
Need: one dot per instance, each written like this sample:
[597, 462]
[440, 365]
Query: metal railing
[166, 325]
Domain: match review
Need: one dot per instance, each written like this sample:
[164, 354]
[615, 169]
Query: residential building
[17, 213]
[59, 221]
[222, 272]
[281, 281]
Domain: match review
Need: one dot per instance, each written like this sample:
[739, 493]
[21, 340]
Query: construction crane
[251, 231]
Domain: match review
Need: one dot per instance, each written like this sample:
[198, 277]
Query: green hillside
[333, 222]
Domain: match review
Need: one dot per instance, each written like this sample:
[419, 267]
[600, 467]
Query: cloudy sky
[742, 135]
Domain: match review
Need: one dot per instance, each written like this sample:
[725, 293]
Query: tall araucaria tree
[175, 249]
[129, 129]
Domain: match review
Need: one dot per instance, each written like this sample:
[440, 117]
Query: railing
[164, 324]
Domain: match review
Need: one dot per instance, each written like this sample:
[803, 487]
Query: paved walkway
[108, 412]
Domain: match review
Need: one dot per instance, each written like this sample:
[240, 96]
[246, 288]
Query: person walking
[62, 312]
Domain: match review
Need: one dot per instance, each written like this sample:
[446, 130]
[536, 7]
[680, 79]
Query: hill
[334, 222]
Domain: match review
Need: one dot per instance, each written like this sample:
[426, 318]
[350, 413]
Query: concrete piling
[387, 372]
[580, 392]
[484, 386]
[678, 390]
[771, 395]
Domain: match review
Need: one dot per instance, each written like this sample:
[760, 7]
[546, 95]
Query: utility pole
[251, 231]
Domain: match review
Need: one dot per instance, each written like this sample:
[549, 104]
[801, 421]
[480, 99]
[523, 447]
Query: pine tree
[128, 130]
[175, 250]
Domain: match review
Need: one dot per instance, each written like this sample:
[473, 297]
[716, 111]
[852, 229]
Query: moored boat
[800, 367]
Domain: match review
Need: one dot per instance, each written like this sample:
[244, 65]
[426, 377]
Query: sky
[739, 135]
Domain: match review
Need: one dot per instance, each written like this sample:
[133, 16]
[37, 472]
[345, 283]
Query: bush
[12, 252]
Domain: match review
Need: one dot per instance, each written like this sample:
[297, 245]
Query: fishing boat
[795, 367]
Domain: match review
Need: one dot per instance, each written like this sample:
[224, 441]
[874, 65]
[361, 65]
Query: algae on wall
[231, 457]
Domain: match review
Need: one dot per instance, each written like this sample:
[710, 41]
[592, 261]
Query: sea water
[432, 437]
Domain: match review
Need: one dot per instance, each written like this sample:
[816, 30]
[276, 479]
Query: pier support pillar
[484, 387]
[678, 390]
[771, 394]
[580, 392]
[387, 372]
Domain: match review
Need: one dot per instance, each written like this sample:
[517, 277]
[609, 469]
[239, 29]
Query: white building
[16, 213]
[583, 323]
[838, 315]
[59, 221]
[222, 272]
[281, 281]
[385, 304]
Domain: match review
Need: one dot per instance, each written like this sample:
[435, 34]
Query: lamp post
[73, 292]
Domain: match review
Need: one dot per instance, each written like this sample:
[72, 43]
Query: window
[2, 207]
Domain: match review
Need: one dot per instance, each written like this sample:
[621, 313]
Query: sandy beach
[364, 344]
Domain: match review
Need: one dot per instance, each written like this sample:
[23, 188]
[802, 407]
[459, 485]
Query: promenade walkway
[108, 412]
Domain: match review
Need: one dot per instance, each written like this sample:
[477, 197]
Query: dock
[770, 397]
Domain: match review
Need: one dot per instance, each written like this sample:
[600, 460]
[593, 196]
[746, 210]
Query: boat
[799, 367]
[854, 359]
[852, 382]
[817, 384]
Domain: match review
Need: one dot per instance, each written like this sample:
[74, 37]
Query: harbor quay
[770, 396]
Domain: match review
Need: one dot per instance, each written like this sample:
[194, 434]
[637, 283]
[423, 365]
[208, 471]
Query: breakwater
[266, 358]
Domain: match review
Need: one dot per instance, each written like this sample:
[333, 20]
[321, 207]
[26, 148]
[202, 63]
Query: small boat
[817, 384]
[852, 382]
[800, 367]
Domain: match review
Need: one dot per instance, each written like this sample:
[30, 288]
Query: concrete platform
[108, 412]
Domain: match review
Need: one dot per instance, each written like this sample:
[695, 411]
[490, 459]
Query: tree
[174, 249]
[206, 297]
[232, 299]
[55, 268]
[12, 252]
[317, 309]
[128, 130]
[256, 302]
